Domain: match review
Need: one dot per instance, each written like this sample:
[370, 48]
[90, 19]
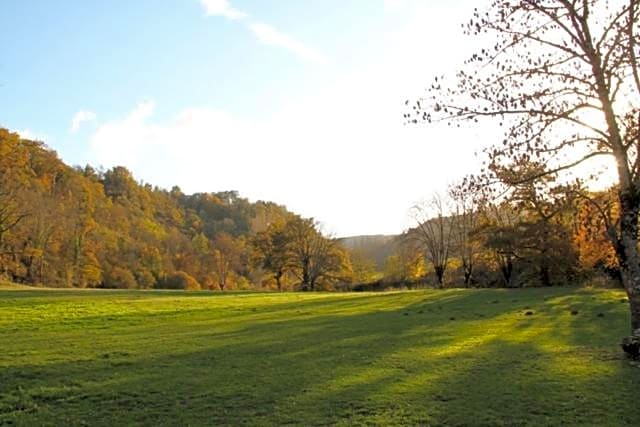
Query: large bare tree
[433, 232]
[562, 77]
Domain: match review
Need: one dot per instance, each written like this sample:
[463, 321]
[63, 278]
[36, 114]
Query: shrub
[119, 278]
[179, 280]
[145, 279]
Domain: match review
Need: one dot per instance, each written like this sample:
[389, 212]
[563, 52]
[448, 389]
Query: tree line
[525, 237]
[63, 226]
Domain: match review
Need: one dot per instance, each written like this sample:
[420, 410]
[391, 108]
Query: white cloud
[222, 8]
[266, 34]
[197, 145]
[339, 151]
[81, 117]
[271, 36]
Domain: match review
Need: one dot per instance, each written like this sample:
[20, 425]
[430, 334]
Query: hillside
[375, 247]
[83, 227]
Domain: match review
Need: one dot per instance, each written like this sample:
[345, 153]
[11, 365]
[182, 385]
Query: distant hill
[376, 247]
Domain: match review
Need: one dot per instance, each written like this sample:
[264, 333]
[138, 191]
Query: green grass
[406, 358]
[14, 286]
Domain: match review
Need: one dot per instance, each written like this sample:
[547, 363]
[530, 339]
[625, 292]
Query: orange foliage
[590, 237]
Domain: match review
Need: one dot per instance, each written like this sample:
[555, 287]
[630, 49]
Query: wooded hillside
[82, 227]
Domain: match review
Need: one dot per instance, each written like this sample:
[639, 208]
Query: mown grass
[408, 358]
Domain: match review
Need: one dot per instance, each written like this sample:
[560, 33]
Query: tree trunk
[628, 257]
[439, 274]
[305, 276]
[627, 244]
[468, 270]
[545, 276]
[309, 275]
[634, 303]
[41, 269]
[506, 269]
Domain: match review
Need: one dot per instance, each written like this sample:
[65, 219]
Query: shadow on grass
[454, 358]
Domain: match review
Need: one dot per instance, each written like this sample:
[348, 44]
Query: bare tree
[562, 76]
[227, 257]
[433, 233]
[498, 222]
[465, 223]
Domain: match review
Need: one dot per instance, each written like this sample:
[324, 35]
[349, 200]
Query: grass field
[406, 358]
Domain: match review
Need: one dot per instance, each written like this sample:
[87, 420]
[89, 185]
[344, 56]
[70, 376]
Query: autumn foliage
[67, 226]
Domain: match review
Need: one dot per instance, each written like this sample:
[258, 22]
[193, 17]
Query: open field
[427, 357]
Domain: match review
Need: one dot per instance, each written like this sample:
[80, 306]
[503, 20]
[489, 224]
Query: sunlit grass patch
[427, 357]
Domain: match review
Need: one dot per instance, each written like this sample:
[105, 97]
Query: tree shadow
[411, 358]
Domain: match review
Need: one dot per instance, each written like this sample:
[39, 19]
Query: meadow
[451, 357]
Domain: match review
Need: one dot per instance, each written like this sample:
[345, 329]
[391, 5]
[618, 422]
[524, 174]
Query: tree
[119, 184]
[434, 233]
[543, 238]
[273, 251]
[563, 77]
[406, 266]
[227, 256]
[314, 257]
[42, 227]
[13, 183]
[365, 269]
[465, 223]
[83, 268]
[501, 240]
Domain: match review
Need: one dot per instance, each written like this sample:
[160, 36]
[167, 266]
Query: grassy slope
[435, 357]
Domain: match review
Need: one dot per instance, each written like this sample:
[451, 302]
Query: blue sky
[299, 102]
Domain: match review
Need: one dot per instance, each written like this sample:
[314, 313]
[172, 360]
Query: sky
[297, 102]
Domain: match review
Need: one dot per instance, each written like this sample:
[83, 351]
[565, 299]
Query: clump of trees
[500, 236]
[295, 248]
[522, 239]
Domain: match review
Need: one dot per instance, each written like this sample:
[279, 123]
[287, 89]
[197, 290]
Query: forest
[82, 227]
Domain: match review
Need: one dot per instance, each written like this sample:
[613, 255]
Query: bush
[179, 280]
[119, 278]
[145, 279]
[242, 283]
